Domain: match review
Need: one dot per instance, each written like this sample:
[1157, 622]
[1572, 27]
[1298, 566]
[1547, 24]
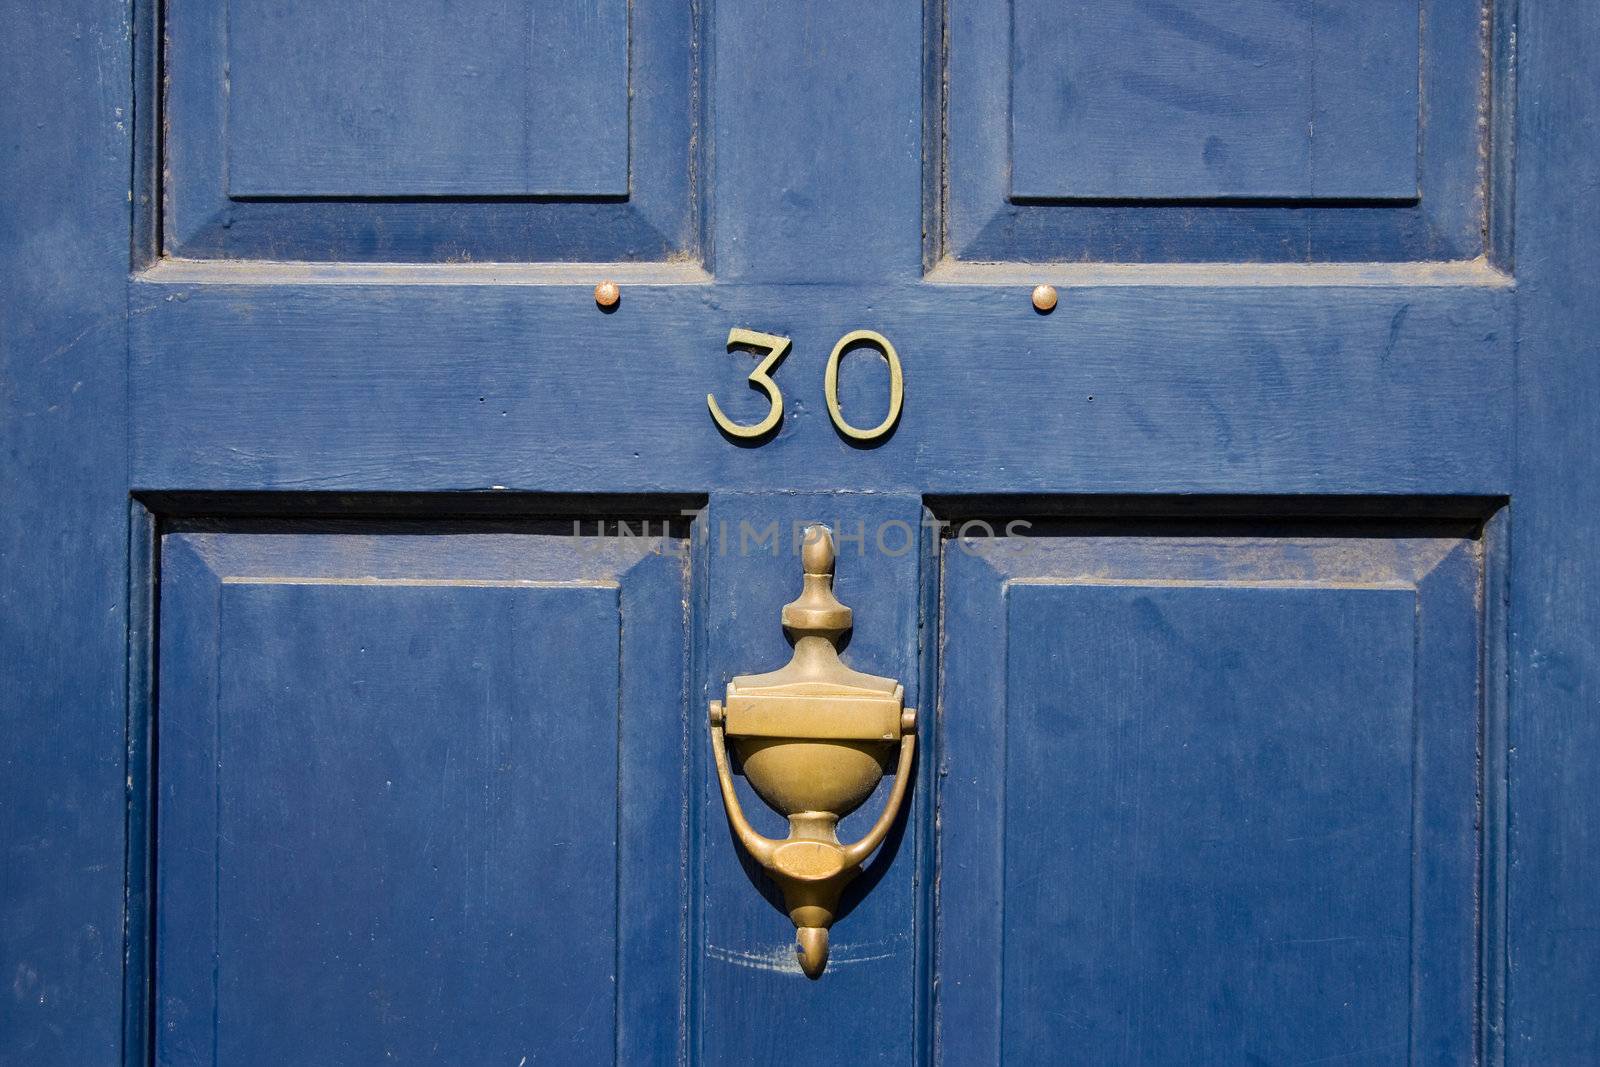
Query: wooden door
[368, 571]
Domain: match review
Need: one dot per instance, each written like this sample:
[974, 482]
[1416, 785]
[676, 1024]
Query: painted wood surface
[753, 1002]
[430, 133]
[1209, 799]
[989, 80]
[1370, 388]
[1213, 101]
[65, 156]
[486, 98]
[807, 172]
[420, 796]
[840, 201]
[1553, 910]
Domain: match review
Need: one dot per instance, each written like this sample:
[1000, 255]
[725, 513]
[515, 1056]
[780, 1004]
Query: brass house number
[776, 348]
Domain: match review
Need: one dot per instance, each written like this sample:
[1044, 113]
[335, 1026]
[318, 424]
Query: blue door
[413, 418]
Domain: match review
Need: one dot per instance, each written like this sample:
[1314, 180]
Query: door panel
[1214, 798]
[416, 790]
[1245, 130]
[1209, 101]
[488, 98]
[418, 132]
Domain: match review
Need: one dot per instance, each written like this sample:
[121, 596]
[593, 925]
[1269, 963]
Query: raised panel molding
[415, 132]
[412, 785]
[1262, 131]
[1231, 781]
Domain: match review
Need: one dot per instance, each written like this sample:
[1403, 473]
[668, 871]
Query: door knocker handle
[814, 738]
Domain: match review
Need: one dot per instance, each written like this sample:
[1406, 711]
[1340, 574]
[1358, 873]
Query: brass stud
[1044, 299]
[607, 295]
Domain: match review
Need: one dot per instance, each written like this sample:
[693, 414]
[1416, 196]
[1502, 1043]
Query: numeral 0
[897, 385]
[776, 348]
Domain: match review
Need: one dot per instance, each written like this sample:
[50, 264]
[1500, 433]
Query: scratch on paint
[1396, 324]
[781, 959]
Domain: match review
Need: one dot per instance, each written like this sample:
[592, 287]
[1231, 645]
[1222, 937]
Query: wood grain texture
[418, 791]
[1214, 799]
[420, 133]
[987, 218]
[1554, 787]
[1366, 389]
[840, 200]
[66, 114]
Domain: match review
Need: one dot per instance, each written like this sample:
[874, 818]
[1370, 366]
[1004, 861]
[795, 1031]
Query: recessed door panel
[1251, 130]
[1214, 799]
[409, 131]
[403, 801]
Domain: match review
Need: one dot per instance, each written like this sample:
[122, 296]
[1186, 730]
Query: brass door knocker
[815, 738]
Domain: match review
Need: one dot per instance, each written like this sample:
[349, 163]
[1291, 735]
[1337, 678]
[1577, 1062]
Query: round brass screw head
[607, 295]
[1044, 298]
